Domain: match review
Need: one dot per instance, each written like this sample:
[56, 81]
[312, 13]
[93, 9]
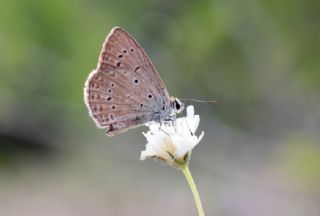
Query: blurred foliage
[259, 59]
[301, 161]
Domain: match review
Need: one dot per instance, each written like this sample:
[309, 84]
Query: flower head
[172, 142]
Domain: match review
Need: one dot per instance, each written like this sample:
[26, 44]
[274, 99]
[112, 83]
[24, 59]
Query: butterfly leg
[188, 127]
[164, 131]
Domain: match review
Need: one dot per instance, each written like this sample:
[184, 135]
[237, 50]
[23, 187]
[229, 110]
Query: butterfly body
[125, 91]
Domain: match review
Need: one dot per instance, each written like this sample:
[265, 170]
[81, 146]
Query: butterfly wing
[125, 90]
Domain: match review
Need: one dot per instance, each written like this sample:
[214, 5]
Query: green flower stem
[186, 172]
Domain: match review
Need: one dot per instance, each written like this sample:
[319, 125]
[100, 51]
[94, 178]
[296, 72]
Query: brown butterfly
[125, 90]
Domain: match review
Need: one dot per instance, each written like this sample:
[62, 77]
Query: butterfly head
[177, 105]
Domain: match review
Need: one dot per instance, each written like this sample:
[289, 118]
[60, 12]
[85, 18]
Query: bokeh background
[261, 151]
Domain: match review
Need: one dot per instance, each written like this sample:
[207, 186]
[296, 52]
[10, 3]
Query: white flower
[173, 141]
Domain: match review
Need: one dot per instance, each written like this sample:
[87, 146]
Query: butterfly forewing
[122, 52]
[125, 90]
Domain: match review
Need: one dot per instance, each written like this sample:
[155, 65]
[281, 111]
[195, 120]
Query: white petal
[146, 153]
[176, 139]
[185, 145]
[200, 137]
[190, 111]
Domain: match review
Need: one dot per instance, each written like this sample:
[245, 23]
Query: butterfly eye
[109, 99]
[131, 50]
[112, 85]
[124, 51]
[150, 96]
[118, 64]
[177, 105]
[109, 90]
[120, 56]
[113, 107]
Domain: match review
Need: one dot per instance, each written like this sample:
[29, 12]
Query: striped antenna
[199, 101]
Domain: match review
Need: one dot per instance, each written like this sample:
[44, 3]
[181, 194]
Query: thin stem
[186, 172]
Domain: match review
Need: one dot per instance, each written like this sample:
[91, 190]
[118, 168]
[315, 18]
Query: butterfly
[125, 90]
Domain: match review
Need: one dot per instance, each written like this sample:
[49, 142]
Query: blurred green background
[261, 151]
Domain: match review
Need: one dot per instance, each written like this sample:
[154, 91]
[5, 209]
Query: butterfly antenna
[199, 101]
